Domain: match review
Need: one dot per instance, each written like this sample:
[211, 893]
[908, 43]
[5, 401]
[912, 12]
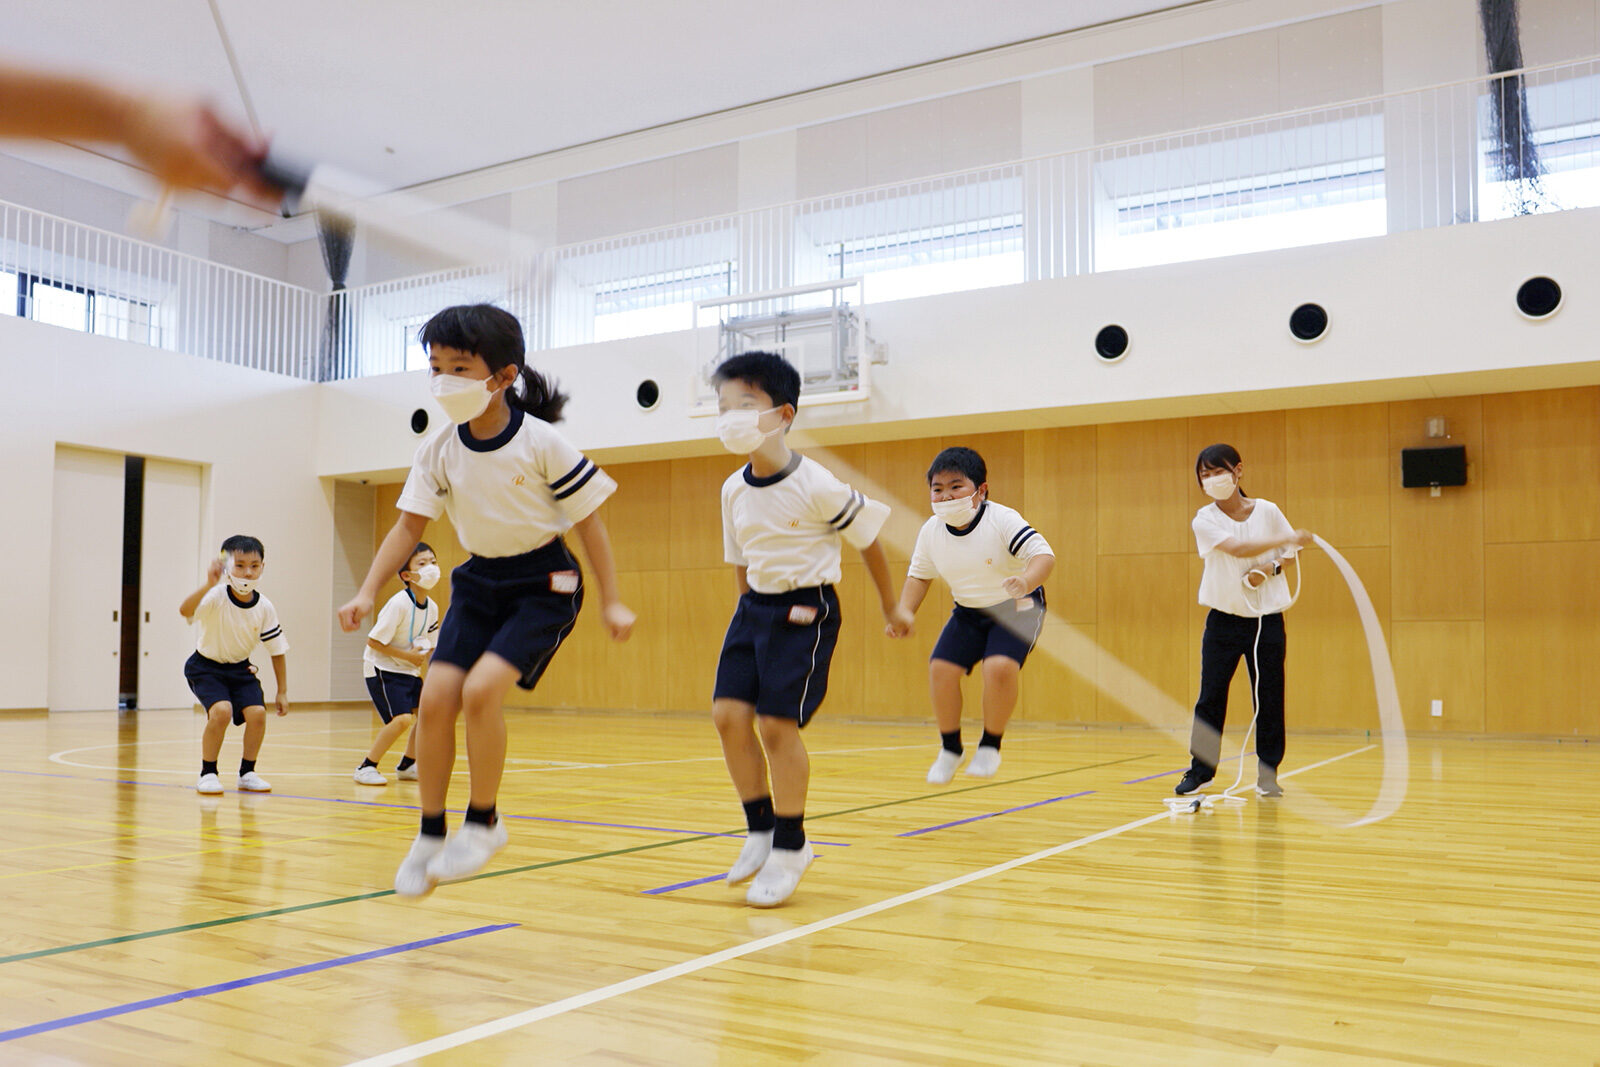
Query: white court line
[644, 981]
[1324, 763]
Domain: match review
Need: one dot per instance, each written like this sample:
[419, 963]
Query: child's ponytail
[538, 396]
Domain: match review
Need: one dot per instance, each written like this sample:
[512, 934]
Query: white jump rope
[1252, 595]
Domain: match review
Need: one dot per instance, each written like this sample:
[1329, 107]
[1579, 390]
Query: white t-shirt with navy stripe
[787, 528]
[510, 494]
[228, 629]
[401, 623]
[977, 558]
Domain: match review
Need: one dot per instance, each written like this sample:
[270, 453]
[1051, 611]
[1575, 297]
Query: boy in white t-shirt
[231, 619]
[1245, 541]
[396, 651]
[995, 564]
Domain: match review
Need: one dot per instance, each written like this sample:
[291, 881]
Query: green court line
[210, 923]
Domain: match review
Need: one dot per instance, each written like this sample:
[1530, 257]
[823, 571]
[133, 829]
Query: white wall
[253, 432]
[1417, 314]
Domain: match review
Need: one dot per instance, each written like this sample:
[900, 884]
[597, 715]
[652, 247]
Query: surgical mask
[428, 575]
[740, 430]
[242, 586]
[957, 512]
[461, 399]
[1218, 486]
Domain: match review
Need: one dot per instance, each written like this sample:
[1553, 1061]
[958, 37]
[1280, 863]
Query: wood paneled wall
[1488, 593]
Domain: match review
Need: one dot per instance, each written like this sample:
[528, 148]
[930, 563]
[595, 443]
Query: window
[658, 303]
[8, 293]
[1240, 190]
[416, 355]
[632, 287]
[59, 305]
[943, 237]
[1564, 127]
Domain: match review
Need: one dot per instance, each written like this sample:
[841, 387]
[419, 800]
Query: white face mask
[461, 399]
[958, 512]
[242, 586]
[740, 430]
[428, 575]
[1218, 486]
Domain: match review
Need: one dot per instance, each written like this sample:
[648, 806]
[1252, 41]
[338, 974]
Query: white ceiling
[408, 91]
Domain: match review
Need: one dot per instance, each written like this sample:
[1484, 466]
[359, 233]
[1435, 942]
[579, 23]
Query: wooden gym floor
[147, 925]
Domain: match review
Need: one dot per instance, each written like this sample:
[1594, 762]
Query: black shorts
[212, 683]
[519, 607]
[975, 634]
[394, 693]
[777, 651]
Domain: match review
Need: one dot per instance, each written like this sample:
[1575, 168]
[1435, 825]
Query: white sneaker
[412, 879]
[779, 876]
[757, 847]
[944, 768]
[409, 774]
[253, 783]
[984, 762]
[370, 776]
[468, 849]
[209, 785]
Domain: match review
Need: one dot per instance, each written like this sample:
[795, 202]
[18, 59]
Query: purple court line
[992, 814]
[240, 983]
[1180, 770]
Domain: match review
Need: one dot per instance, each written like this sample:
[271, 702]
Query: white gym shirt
[507, 495]
[401, 623]
[973, 562]
[787, 529]
[227, 633]
[1222, 584]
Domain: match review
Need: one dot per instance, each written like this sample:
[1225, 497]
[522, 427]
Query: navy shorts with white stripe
[777, 651]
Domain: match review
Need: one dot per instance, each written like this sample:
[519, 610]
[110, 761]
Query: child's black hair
[495, 335]
[1218, 457]
[767, 371]
[422, 546]
[962, 461]
[244, 543]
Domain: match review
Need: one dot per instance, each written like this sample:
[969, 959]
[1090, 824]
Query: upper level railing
[83, 278]
[1484, 148]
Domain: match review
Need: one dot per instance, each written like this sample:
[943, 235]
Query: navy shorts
[777, 651]
[212, 683]
[519, 607]
[975, 634]
[394, 693]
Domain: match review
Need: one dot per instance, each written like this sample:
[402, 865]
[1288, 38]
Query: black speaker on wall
[1308, 322]
[419, 421]
[1539, 298]
[1423, 468]
[648, 395]
[1111, 343]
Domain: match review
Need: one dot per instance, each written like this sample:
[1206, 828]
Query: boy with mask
[783, 517]
[396, 651]
[231, 619]
[994, 563]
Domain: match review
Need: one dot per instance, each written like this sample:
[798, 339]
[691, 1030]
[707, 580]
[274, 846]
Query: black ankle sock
[989, 741]
[433, 825]
[482, 816]
[208, 766]
[246, 766]
[952, 741]
[789, 831]
[366, 763]
[404, 764]
[758, 815]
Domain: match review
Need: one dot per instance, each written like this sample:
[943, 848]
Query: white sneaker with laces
[468, 849]
[944, 768]
[370, 776]
[254, 783]
[779, 876]
[412, 879]
[757, 846]
[407, 774]
[209, 785]
[985, 762]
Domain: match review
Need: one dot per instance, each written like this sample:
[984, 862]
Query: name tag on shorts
[563, 581]
[1026, 603]
[802, 614]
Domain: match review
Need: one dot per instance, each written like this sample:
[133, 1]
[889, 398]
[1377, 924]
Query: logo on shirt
[794, 524]
[988, 563]
[517, 480]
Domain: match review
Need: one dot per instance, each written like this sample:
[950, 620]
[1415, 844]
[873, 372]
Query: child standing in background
[396, 651]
